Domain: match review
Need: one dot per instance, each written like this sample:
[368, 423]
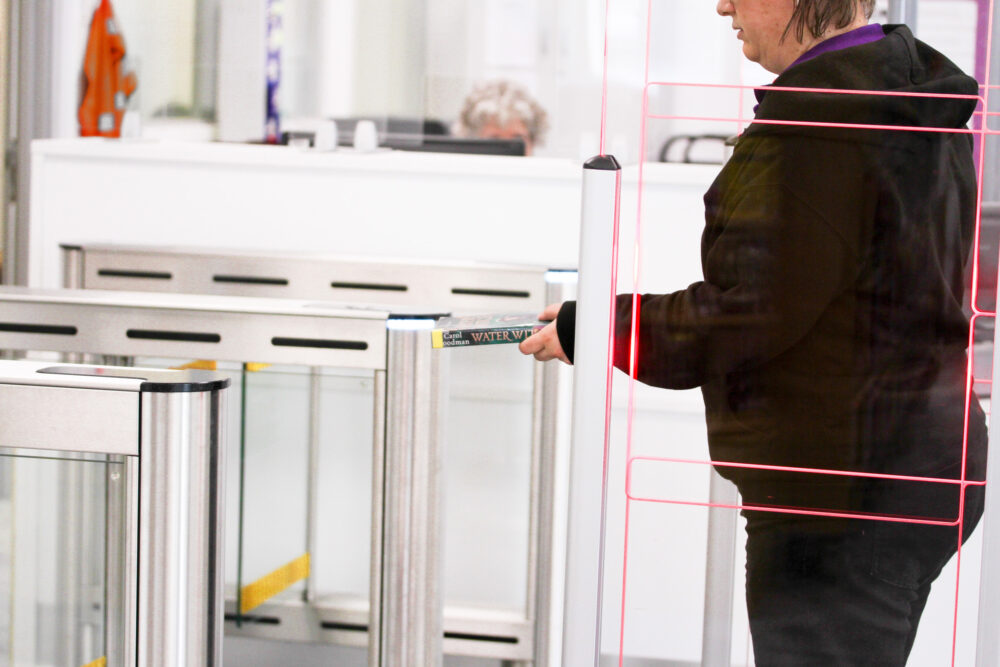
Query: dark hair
[822, 15]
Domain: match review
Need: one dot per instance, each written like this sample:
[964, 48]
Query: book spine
[495, 336]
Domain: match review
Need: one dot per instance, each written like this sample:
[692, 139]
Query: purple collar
[863, 35]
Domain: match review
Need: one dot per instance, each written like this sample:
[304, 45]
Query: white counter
[388, 203]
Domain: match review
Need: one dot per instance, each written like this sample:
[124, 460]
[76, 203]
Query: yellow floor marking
[271, 584]
[197, 365]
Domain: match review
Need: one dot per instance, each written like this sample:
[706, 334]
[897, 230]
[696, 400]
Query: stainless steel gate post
[160, 432]
[560, 285]
[312, 481]
[180, 585]
[72, 256]
[591, 382]
[410, 602]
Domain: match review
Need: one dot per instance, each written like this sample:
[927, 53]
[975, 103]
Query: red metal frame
[980, 130]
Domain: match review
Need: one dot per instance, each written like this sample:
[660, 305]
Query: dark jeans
[842, 592]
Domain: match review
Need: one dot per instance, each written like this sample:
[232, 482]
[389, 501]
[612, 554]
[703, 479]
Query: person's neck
[829, 34]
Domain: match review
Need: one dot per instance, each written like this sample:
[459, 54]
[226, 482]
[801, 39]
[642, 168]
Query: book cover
[484, 329]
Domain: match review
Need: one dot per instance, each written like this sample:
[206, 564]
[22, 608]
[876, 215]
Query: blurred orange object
[106, 86]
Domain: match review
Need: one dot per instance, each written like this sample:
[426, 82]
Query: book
[484, 329]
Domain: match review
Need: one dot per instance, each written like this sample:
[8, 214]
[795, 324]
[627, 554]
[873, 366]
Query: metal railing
[458, 287]
[316, 335]
[455, 287]
[160, 432]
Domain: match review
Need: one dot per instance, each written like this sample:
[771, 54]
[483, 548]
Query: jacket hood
[897, 63]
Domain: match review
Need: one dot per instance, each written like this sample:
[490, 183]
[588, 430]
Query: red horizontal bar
[836, 91]
[816, 471]
[790, 510]
[804, 123]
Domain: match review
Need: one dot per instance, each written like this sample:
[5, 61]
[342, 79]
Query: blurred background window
[411, 65]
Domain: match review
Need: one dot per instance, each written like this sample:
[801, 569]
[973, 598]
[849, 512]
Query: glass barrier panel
[54, 557]
[274, 446]
[342, 566]
[487, 480]
[295, 419]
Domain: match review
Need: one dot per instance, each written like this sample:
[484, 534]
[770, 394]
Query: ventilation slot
[17, 327]
[124, 273]
[376, 287]
[481, 638]
[186, 336]
[321, 343]
[350, 627]
[255, 620]
[510, 294]
[250, 280]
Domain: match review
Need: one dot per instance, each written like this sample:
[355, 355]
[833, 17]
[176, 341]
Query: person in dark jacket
[829, 332]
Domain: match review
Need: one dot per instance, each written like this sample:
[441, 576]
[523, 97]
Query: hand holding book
[544, 344]
[535, 335]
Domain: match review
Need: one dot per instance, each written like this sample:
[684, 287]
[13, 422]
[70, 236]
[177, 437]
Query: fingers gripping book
[492, 329]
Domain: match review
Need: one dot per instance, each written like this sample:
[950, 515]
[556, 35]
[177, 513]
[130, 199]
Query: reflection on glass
[53, 557]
